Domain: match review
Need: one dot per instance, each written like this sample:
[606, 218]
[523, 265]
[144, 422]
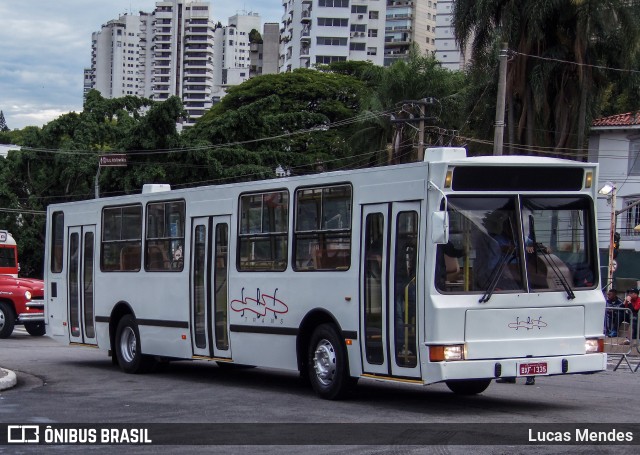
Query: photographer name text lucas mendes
[581, 435]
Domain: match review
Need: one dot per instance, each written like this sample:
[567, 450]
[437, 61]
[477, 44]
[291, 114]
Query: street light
[609, 190]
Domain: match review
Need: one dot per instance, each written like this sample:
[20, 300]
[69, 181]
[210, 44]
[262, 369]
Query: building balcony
[306, 16]
[397, 42]
[304, 52]
[399, 16]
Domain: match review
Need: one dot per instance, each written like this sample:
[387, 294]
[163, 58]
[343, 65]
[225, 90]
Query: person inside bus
[493, 247]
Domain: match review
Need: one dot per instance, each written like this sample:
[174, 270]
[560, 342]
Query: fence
[622, 330]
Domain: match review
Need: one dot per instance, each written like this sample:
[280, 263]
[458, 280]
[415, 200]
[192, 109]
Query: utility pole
[421, 131]
[498, 137]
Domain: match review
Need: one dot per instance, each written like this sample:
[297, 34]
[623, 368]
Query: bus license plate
[527, 369]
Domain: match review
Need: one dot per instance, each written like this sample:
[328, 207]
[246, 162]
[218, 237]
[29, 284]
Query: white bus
[454, 269]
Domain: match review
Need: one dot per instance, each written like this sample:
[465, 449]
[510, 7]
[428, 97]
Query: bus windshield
[517, 244]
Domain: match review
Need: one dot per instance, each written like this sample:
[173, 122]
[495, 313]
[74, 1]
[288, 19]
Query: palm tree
[415, 79]
[551, 88]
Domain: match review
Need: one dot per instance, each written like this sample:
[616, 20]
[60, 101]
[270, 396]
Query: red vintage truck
[21, 299]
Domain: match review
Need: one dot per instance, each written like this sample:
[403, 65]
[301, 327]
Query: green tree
[285, 119]
[550, 98]
[386, 110]
[255, 36]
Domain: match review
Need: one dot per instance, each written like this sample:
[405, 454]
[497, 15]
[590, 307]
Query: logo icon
[23, 434]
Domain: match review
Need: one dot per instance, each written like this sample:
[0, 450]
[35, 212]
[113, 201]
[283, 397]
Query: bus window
[373, 271]
[323, 228]
[199, 270]
[121, 239]
[263, 233]
[7, 256]
[560, 231]
[488, 232]
[57, 234]
[495, 237]
[220, 279]
[404, 283]
[165, 236]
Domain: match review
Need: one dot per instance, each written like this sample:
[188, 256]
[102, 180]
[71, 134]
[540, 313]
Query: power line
[557, 60]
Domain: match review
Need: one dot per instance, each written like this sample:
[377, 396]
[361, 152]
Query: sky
[46, 44]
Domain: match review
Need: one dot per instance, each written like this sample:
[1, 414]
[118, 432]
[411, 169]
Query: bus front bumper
[501, 368]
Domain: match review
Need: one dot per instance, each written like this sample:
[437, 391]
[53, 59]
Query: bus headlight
[27, 295]
[592, 345]
[446, 353]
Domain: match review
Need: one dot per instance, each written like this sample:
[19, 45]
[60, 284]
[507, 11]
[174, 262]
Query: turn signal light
[592, 345]
[446, 353]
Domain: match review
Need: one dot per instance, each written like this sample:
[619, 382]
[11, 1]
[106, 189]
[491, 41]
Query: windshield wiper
[497, 274]
[556, 270]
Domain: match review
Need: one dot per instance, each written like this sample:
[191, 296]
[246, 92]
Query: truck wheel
[35, 329]
[327, 363]
[127, 342]
[7, 320]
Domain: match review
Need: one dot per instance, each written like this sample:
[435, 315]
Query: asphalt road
[59, 384]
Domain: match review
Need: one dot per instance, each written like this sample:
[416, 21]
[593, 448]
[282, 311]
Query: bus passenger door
[80, 279]
[209, 273]
[388, 289]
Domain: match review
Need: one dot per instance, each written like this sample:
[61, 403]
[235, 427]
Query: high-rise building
[447, 50]
[409, 23]
[116, 56]
[157, 55]
[231, 64]
[381, 31]
[324, 31]
[182, 39]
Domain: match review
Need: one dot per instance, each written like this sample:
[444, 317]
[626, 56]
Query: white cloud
[47, 44]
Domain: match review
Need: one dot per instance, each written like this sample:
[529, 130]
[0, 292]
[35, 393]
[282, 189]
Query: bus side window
[165, 236]
[323, 228]
[264, 231]
[121, 238]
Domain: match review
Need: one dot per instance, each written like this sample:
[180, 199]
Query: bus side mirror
[440, 227]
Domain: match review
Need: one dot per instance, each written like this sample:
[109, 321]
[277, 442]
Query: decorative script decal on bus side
[529, 324]
[262, 305]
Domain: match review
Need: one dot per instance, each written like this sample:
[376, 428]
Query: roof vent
[155, 188]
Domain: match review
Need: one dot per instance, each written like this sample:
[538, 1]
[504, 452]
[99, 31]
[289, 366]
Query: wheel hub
[324, 362]
[128, 344]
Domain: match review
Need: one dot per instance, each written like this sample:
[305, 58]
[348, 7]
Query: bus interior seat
[542, 276]
[130, 258]
[156, 259]
[452, 268]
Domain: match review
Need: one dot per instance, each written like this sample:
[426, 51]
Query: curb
[7, 379]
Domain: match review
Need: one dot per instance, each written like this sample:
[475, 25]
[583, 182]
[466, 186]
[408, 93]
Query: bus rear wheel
[127, 344]
[35, 329]
[7, 320]
[468, 386]
[328, 369]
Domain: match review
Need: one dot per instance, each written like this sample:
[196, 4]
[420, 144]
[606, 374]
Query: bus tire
[328, 369]
[127, 344]
[468, 386]
[7, 320]
[35, 329]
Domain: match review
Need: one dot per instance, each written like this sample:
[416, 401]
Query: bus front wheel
[127, 345]
[328, 369]
[35, 329]
[468, 386]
